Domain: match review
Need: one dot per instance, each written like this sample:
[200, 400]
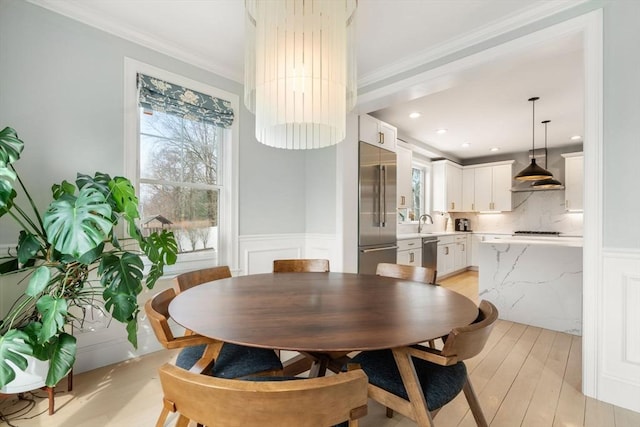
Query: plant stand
[33, 378]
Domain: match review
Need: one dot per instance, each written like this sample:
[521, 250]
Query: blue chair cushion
[440, 384]
[233, 361]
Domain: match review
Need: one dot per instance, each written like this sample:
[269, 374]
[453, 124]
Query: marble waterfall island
[535, 281]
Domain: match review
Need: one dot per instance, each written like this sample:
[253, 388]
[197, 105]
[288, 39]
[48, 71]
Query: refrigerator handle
[380, 172]
[384, 197]
[386, 248]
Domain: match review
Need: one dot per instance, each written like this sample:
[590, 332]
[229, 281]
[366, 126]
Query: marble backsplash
[532, 211]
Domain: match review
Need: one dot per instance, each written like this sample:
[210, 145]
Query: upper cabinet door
[484, 188]
[501, 188]
[447, 186]
[573, 181]
[374, 132]
[468, 190]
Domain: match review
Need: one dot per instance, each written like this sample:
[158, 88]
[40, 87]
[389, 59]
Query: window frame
[425, 200]
[228, 198]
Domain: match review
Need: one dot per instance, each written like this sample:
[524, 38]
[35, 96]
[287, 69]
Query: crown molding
[77, 12]
[485, 33]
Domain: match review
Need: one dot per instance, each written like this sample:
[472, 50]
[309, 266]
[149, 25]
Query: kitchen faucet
[420, 223]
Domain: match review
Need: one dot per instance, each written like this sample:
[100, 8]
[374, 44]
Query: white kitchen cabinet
[468, 189]
[446, 255]
[404, 191]
[447, 186]
[376, 132]
[410, 252]
[461, 251]
[573, 181]
[491, 187]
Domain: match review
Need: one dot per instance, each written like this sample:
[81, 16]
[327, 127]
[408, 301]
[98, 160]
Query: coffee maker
[462, 224]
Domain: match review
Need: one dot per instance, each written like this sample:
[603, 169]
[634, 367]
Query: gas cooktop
[536, 233]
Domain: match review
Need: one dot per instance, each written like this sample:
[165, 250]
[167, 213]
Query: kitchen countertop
[406, 236]
[575, 242]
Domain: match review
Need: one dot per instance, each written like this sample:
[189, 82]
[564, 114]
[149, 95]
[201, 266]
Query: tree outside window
[180, 175]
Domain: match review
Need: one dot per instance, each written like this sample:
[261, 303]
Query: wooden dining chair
[206, 355]
[440, 374]
[407, 272]
[301, 266]
[190, 279]
[298, 402]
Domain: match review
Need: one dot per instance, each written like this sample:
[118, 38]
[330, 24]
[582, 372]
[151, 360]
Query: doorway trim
[589, 25]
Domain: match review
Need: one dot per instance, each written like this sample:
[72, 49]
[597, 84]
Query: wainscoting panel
[619, 364]
[258, 252]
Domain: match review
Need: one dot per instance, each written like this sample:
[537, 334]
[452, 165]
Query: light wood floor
[526, 376]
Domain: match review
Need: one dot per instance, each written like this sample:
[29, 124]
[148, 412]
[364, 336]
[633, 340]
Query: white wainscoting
[619, 363]
[257, 252]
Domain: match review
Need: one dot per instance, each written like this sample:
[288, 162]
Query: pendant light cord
[533, 127]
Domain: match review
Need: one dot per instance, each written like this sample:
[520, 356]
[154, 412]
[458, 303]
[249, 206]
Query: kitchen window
[184, 140]
[420, 189]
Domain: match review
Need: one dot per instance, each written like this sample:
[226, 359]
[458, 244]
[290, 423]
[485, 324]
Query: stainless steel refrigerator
[377, 208]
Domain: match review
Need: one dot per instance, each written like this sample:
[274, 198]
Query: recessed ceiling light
[495, 149]
[465, 145]
[576, 137]
[441, 131]
[414, 115]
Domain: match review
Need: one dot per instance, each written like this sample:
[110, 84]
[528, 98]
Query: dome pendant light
[549, 182]
[533, 172]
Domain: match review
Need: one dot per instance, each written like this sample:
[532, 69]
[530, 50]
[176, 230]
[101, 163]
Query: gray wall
[621, 124]
[61, 88]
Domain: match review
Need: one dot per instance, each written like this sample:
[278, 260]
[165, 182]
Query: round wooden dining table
[321, 312]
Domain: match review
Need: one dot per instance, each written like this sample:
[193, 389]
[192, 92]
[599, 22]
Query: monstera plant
[70, 256]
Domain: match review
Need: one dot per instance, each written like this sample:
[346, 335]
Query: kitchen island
[534, 280]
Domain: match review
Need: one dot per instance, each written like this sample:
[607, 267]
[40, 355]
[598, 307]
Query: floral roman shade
[159, 95]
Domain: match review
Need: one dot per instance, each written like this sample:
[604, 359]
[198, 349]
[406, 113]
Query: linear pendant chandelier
[533, 172]
[300, 70]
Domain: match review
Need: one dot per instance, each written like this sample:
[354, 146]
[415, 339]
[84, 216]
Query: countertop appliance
[463, 224]
[377, 208]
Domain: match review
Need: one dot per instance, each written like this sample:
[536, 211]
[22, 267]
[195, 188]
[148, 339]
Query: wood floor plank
[545, 399]
[571, 402]
[516, 402]
[625, 418]
[598, 414]
[492, 395]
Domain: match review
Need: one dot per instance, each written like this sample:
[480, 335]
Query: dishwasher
[430, 252]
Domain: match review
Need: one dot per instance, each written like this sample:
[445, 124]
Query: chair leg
[182, 421]
[163, 417]
[476, 410]
[70, 380]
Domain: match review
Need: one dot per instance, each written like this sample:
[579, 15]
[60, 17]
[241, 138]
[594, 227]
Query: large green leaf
[38, 281]
[13, 345]
[10, 148]
[54, 313]
[162, 247]
[65, 188]
[62, 357]
[7, 193]
[28, 246]
[132, 331]
[75, 226]
[125, 196]
[123, 306]
[121, 274]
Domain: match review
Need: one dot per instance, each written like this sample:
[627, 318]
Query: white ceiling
[488, 109]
